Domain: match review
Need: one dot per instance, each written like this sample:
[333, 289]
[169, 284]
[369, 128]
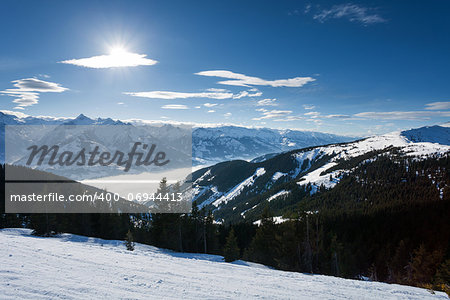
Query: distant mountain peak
[81, 117]
[80, 120]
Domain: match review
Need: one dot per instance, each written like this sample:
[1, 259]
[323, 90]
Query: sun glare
[117, 57]
[117, 51]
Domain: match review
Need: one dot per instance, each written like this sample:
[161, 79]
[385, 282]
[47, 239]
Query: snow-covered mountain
[83, 120]
[229, 185]
[79, 267]
[209, 145]
[231, 142]
[431, 134]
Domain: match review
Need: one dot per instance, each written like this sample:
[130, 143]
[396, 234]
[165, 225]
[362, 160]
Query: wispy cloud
[247, 94]
[267, 102]
[227, 115]
[309, 106]
[313, 114]
[237, 79]
[403, 115]
[272, 114]
[351, 12]
[437, 106]
[27, 91]
[174, 106]
[211, 111]
[216, 90]
[223, 94]
[209, 104]
[181, 95]
[337, 116]
[113, 60]
[307, 8]
[290, 118]
[277, 115]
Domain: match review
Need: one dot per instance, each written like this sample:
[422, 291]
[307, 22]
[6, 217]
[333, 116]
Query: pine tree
[129, 243]
[231, 251]
[424, 265]
[265, 246]
[335, 249]
[443, 273]
[399, 262]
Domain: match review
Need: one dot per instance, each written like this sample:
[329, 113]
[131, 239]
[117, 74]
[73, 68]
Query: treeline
[407, 246]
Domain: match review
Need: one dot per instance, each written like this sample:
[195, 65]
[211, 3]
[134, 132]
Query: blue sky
[354, 68]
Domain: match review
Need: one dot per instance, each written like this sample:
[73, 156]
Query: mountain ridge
[210, 144]
[234, 186]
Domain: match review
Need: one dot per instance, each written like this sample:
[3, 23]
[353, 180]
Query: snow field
[75, 267]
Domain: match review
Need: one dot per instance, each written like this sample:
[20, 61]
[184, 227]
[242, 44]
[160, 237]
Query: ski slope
[77, 267]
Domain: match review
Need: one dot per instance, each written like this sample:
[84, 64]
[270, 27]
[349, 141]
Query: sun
[118, 51]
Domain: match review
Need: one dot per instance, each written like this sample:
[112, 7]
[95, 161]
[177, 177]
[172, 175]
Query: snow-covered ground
[77, 267]
[236, 191]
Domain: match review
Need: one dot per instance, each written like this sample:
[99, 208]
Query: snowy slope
[238, 189]
[77, 267]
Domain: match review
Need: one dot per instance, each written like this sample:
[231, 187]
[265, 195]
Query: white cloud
[227, 115]
[313, 114]
[308, 106]
[211, 111]
[216, 90]
[247, 94]
[271, 114]
[351, 12]
[23, 98]
[27, 90]
[307, 8]
[437, 106]
[403, 115]
[290, 118]
[267, 102]
[174, 106]
[181, 95]
[37, 85]
[337, 116]
[120, 103]
[223, 94]
[209, 104]
[113, 60]
[244, 80]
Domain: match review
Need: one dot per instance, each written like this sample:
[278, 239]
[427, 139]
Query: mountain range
[238, 190]
[210, 145]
